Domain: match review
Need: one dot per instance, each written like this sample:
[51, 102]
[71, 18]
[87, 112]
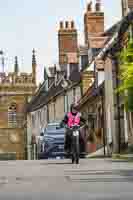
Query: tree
[126, 74]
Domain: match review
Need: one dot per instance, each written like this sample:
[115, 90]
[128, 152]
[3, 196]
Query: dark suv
[53, 142]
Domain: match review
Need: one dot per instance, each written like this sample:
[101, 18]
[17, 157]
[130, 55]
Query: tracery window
[12, 116]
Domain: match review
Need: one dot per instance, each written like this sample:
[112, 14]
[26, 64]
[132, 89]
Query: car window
[51, 129]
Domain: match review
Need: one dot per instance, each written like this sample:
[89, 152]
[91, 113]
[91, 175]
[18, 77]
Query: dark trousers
[68, 142]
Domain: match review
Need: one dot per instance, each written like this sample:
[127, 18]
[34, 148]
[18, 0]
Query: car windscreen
[54, 129]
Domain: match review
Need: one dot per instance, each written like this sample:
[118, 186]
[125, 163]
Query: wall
[59, 108]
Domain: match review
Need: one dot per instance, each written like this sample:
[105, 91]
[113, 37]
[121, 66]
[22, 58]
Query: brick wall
[130, 4]
[67, 41]
[93, 24]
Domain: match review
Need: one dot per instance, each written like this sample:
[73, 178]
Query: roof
[43, 97]
[91, 93]
[112, 29]
[113, 44]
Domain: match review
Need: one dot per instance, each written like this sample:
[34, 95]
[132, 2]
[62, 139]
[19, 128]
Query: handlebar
[74, 127]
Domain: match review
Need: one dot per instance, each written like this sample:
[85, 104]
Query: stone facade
[54, 111]
[16, 89]
[87, 80]
[92, 108]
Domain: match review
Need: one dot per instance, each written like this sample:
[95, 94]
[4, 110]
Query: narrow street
[60, 180]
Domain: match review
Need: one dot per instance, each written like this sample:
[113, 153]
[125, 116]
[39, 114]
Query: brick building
[52, 102]
[68, 43]
[127, 5]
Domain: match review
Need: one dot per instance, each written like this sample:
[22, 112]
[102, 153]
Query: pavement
[92, 179]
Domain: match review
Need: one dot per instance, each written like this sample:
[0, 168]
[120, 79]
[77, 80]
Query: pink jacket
[73, 120]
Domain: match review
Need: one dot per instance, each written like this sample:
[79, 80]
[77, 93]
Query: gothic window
[12, 117]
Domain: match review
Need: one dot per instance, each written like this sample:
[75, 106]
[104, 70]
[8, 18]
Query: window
[12, 117]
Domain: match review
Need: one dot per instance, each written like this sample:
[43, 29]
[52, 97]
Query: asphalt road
[60, 180]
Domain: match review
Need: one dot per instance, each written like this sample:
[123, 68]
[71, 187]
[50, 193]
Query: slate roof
[43, 97]
[116, 43]
[112, 46]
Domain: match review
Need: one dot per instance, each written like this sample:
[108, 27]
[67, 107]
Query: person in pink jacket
[72, 118]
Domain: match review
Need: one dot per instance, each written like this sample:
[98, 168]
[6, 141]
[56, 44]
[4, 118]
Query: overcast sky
[27, 24]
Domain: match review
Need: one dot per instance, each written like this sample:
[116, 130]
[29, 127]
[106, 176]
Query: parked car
[53, 142]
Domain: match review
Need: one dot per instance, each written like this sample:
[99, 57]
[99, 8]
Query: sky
[28, 24]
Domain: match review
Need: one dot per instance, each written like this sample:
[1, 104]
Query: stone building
[16, 90]
[69, 82]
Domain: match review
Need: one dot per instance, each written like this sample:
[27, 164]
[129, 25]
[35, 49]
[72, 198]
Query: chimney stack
[98, 6]
[89, 6]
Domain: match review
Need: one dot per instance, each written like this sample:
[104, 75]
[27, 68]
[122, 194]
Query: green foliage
[126, 68]
[126, 75]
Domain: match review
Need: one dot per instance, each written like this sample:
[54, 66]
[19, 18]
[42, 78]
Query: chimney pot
[72, 24]
[98, 5]
[66, 24]
[61, 25]
[89, 7]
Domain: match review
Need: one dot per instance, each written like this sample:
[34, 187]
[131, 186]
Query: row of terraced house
[88, 75]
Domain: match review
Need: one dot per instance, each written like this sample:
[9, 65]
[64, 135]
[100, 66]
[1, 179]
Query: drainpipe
[104, 139]
[118, 104]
